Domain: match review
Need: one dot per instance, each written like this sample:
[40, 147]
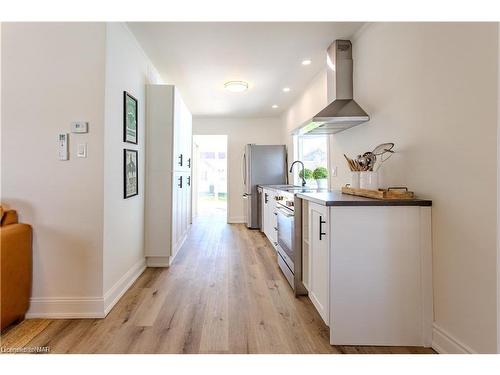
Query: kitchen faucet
[302, 164]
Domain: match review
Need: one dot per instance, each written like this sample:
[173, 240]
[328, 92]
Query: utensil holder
[368, 180]
[355, 179]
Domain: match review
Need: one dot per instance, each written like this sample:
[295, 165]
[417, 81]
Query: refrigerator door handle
[244, 169]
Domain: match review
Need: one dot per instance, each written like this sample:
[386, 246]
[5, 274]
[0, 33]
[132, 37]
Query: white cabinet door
[182, 135]
[263, 211]
[189, 189]
[186, 195]
[319, 257]
[270, 221]
[187, 120]
[176, 211]
[267, 203]
[273, 220]
[178, 150]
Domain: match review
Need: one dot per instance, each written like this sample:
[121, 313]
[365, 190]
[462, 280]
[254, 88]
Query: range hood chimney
[342, 112]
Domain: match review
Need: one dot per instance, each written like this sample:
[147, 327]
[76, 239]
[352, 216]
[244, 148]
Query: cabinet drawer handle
[276, 229]
[189, 180]
[180, 182]
[265, 198]
[321, 222]
[189, 163]
[180, 160]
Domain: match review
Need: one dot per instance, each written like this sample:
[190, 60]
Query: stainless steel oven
[285, 220]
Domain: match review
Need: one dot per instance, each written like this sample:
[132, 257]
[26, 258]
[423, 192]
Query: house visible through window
[312, 150]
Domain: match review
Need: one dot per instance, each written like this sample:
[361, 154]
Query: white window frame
[297, 144]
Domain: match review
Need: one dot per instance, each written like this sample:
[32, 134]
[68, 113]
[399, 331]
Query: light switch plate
[81, 151]
[79, 127]
[334, 171]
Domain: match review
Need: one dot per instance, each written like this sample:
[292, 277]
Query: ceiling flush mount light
[286, 89]
[274, 106]
[306, 62]
[236, 86]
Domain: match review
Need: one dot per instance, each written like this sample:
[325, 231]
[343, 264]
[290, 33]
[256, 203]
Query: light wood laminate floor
[224, 293]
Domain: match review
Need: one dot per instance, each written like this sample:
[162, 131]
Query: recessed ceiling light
[274, 106]
[286, 89]
[306, 62]
[236, 86]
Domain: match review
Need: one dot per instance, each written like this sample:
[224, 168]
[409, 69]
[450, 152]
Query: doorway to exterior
[210, 192]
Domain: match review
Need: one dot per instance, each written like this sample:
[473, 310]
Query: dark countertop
[336, 198]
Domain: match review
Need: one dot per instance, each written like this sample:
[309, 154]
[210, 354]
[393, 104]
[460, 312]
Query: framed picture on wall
[130, 173]
[129, 118]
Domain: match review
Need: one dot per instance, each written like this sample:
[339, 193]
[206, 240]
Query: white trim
[66, 308]
[498, 195]
[426, 274]
[228, 177]
[113, 295]
[179, 245]
[84, 307]
[236, 220]
[158, 261]
[444, 343]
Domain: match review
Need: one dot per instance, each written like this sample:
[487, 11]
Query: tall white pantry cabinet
[168, 174]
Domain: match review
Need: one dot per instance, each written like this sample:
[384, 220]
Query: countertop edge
[364, 201]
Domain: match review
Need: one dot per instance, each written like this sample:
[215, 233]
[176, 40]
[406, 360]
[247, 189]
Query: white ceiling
[200, 57]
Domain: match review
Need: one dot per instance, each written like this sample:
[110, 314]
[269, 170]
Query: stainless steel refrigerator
[262, 165]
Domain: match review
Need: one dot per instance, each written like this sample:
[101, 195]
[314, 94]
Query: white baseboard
[84, 307]
[113, 295]
[166, 261]
[66, 308]
[236, 220]
[444, 343]
[158, 261]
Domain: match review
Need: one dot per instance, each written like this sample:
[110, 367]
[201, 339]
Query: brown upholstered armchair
[16, 266]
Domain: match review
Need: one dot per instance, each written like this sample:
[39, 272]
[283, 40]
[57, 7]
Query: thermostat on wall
[79, 127]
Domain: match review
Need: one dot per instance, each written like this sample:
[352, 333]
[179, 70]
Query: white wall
[88, 241]
[310, 102]
[432, 90]
[240, 131]
[53, 74]
[127, 69]
[498, 195]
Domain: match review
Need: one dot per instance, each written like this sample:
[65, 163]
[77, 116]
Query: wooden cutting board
[391, 193]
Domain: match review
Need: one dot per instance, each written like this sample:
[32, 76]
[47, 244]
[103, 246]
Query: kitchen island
[367, 266]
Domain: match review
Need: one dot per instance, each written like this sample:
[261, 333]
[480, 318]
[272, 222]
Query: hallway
[224, 293]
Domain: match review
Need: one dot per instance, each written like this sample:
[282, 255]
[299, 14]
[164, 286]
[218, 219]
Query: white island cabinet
[369, 269]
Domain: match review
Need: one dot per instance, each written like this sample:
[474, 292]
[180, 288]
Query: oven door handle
[285, 212]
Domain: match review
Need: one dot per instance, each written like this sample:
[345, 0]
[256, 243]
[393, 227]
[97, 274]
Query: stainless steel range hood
[343, 112]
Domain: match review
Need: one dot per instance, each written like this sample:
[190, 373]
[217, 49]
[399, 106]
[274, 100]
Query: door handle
[189, 180]
[180, 182]
[244, 169]
[189, 163]
[321, 222]
[265, 198]
[180, 160]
